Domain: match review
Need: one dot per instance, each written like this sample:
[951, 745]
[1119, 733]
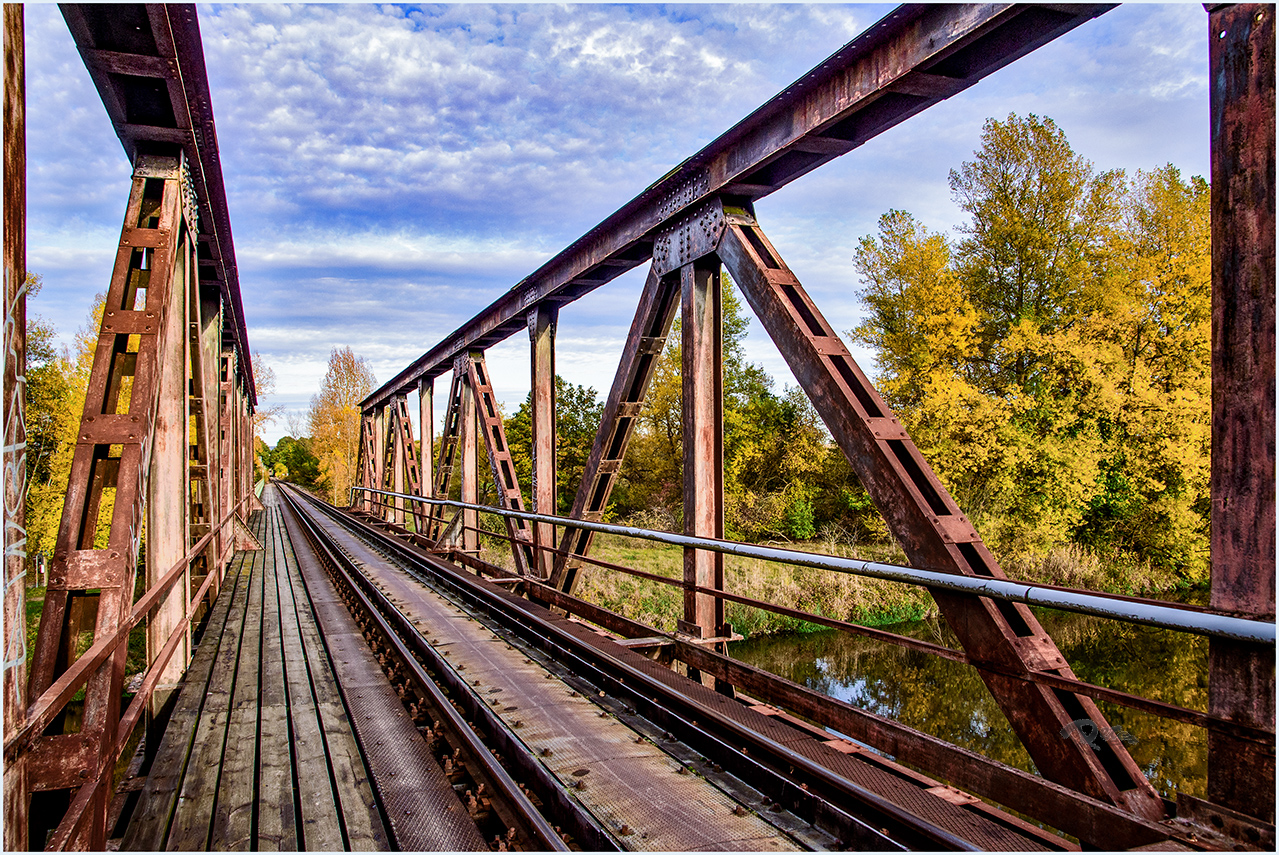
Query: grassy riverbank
[871, 602]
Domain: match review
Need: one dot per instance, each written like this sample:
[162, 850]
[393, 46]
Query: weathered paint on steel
[1241, 775]
[14, 663]
[931, 528]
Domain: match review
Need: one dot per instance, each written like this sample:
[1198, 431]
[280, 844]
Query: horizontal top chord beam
[916, 56]
[147, 62]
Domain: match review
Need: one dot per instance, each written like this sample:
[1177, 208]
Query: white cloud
[390, 171]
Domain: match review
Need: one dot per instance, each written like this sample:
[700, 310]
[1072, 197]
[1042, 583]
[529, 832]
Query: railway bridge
[381, 676]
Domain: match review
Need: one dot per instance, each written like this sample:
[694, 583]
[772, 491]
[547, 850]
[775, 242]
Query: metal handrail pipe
[1082, 602]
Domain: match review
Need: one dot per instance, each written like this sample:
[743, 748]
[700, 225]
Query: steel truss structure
[164, 444]
[701, 217]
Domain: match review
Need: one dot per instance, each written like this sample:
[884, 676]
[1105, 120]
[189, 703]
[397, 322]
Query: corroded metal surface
[1242, 677]
[630, 785]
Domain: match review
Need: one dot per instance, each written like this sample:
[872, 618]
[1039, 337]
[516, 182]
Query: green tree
[1053, 365]
[578, 411]
[300, 464]
[1040, 219]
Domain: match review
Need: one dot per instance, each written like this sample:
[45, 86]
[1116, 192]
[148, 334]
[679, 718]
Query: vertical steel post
[1241, 774]
[466, 436]
[15, 434]
[168, 491]
[226, 482]
[379, 459]
[400, 456]
[426, 447]
[703, 421]
[541, 331]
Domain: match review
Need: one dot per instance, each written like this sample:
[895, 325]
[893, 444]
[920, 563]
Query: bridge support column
[399, 456]
[168, 488]
[541, 331]
[379, 460]
[703, 423]
[1241, 774]
[466, 437]
[16, 793]
[426, 447]
[130, 419]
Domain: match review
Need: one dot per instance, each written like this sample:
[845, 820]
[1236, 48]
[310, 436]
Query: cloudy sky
[391, 170]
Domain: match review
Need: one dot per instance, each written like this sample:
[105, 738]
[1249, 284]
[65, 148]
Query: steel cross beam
[147, 63]
[918, 55]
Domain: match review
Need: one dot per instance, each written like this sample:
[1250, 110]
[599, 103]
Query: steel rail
[409, 645]
[1073, 812]
[916, 56]
[1187, 715]
[674, 709]
[1082, 602]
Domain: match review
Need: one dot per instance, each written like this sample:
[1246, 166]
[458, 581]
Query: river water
[948, 700]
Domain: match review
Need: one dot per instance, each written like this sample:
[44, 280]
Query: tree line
[1050, 359]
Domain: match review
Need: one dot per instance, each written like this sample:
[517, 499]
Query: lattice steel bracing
[489, 425]
[126, 427]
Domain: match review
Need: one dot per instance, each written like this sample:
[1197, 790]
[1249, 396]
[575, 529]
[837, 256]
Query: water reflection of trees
[948, 699]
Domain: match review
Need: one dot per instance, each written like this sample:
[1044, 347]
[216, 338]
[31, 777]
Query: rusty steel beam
[1241, 774]
[541, 331]
[147, 63]
[143, 325]
[918, 55]
[466, 428]
[426, 471]
[14, 665]
[930, 527]
[501, 465]
[702, 414]
[644, 343]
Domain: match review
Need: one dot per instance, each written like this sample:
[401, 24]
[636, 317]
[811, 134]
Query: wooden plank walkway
[259, 753]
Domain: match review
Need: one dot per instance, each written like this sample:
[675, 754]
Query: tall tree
[1040, 218]
[334, 419]
[578, 410]
[56, 388]
[1052, 365]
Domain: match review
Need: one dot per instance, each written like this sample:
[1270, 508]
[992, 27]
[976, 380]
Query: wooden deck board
[149, 826]
[237, 786]
[276, 811]
[363, 823]
[190, 827]
[320, 829]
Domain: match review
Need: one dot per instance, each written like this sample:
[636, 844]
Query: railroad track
[798, 791]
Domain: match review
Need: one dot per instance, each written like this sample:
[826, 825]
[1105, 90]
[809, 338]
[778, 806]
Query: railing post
[1241, 774]
[541, 330]
[16, 794]
[703, 421]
